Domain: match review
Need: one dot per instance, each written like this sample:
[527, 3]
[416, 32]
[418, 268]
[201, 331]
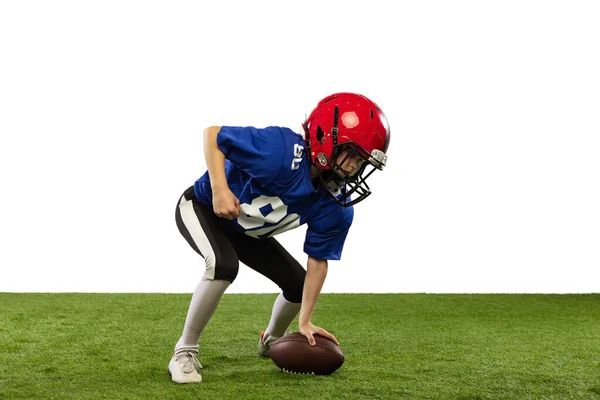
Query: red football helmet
[347, 122]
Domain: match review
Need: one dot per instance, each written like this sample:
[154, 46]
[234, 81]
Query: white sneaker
[185, 368]
[264, 344]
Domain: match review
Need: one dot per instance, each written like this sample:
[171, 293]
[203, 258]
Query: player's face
[349, 161]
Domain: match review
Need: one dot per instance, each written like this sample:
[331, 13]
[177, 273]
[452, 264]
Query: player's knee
[293, 296]
[292, 290]
[225, 270]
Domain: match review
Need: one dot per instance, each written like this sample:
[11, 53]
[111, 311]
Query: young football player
[262, 182]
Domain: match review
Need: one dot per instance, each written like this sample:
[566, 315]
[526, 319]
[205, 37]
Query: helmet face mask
[352, 126]
[354, 181]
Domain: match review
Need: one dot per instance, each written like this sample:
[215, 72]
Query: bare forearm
[215, 159]
[316, 272]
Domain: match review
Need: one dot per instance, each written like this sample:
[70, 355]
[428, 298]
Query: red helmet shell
[359, 120]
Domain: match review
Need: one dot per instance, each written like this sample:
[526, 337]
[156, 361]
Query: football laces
[297, 373]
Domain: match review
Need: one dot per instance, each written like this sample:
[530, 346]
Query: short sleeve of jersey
[258, 152]
[326, 236]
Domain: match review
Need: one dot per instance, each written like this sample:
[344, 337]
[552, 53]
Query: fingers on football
[330, 337]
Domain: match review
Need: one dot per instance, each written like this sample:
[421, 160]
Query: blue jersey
[269, 172]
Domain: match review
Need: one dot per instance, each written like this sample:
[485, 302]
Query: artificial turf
[397, 346]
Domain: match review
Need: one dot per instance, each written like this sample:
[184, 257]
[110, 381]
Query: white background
[493, 181]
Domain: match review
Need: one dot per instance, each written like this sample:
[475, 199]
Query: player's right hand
[225, 204]
[309, 330]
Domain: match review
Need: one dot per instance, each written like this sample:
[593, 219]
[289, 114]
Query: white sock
[204, 302]
[282, 316]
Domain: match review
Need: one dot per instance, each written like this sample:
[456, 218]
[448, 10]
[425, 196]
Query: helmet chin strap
[331, 180]
[334, 130]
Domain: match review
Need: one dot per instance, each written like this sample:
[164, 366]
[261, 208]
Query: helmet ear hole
[320, 134]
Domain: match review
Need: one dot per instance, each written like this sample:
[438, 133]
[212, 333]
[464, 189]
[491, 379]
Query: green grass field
[397, 346]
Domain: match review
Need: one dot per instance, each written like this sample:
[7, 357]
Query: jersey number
[251, 218]
[298, 156]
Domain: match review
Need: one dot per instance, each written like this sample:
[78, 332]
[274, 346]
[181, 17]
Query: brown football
[292, 353]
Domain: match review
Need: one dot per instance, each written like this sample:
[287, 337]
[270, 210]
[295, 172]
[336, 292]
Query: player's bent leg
[184, 366]
[271, 259]
[282, 316]
[202, 229]
[204, 302]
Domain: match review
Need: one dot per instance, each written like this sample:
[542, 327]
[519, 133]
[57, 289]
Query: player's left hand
[309, 330]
